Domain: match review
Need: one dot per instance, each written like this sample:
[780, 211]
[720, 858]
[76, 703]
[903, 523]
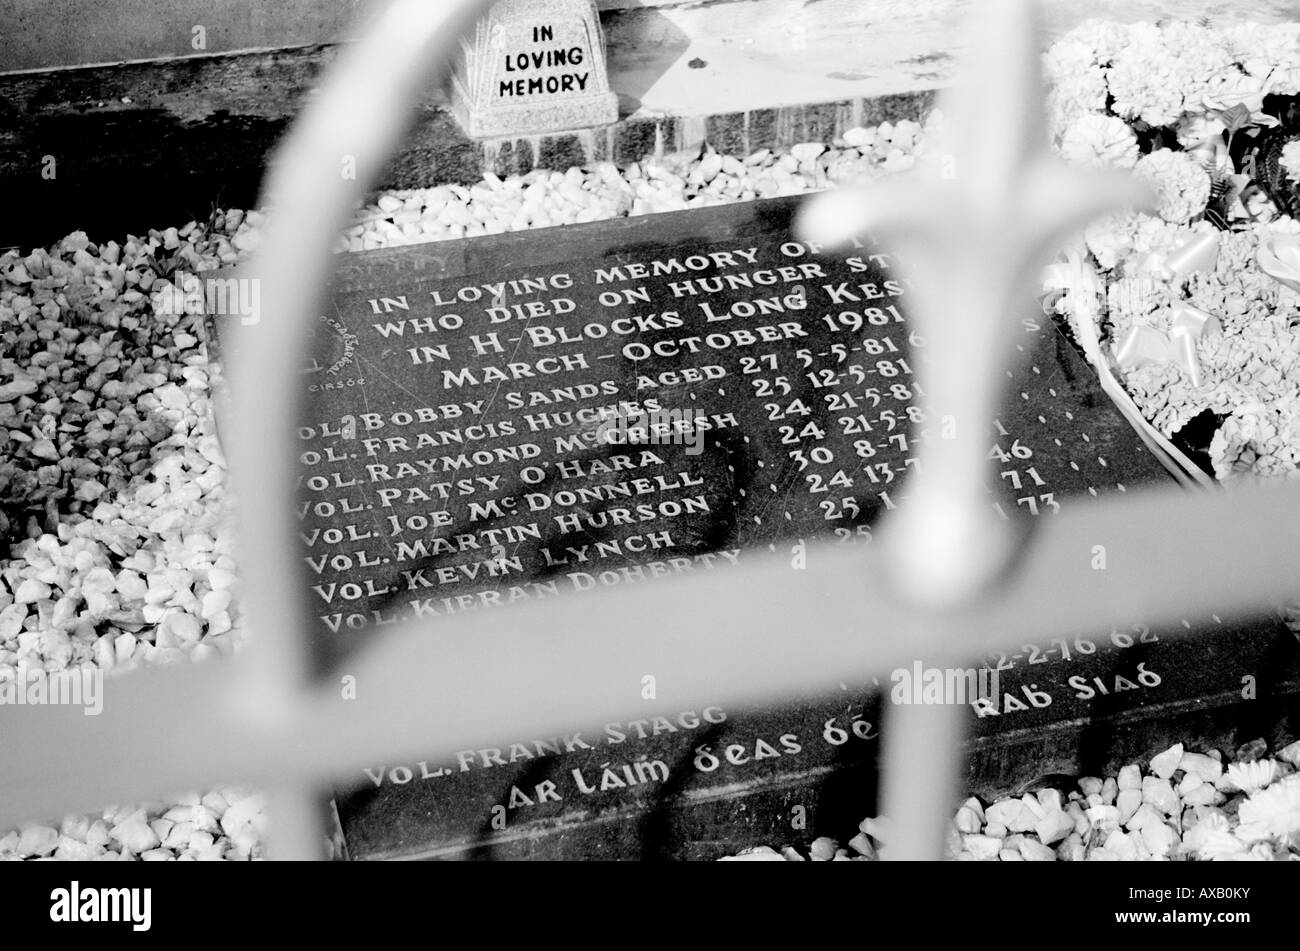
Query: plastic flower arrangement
[1199, 319]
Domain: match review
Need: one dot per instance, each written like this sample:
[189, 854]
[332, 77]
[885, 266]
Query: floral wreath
[1190, 313]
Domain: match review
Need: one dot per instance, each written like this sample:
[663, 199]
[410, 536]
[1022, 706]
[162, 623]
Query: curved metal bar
[331, 158]
[549, 668]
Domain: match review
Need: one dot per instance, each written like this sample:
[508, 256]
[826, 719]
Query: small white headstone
[533, 66]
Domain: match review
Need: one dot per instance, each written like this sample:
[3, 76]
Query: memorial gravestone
[531, 416]
[533, 66]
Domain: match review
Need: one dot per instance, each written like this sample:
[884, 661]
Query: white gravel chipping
[1187, 807]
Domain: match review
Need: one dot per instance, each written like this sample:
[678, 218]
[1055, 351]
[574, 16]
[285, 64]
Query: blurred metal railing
[939, 588]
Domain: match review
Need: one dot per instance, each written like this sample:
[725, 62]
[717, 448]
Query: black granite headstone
[530, 416]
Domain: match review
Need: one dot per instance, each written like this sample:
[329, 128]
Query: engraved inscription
[530, 431]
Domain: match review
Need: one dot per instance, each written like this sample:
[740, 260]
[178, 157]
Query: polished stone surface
[662, 784]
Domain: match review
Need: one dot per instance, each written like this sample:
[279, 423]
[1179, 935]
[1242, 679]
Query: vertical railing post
[989, 208]
[355, 123]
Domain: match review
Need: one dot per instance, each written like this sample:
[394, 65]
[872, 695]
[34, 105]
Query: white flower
[1151, 234]
[1220, 846]
[1276, 59]
[1134, 298]
[1068, 57]
[1096, 140]
[1211, 838]
[1144, 34]
[1230, 87]
[1074, 96]
[1249, 442]
[1164, 394]
[1108, 240]
[1104, 37]
[1249, 777]
[1131, 239]
[1199, 53]
[1243, 39]
[1146, 80]
[1183, 186]
[1272, 813]
[1291, 160]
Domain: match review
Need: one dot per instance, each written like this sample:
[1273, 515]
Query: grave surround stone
[476, 432]
[533, 66]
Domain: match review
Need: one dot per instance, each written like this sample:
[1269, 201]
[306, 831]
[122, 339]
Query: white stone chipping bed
[108, 433]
